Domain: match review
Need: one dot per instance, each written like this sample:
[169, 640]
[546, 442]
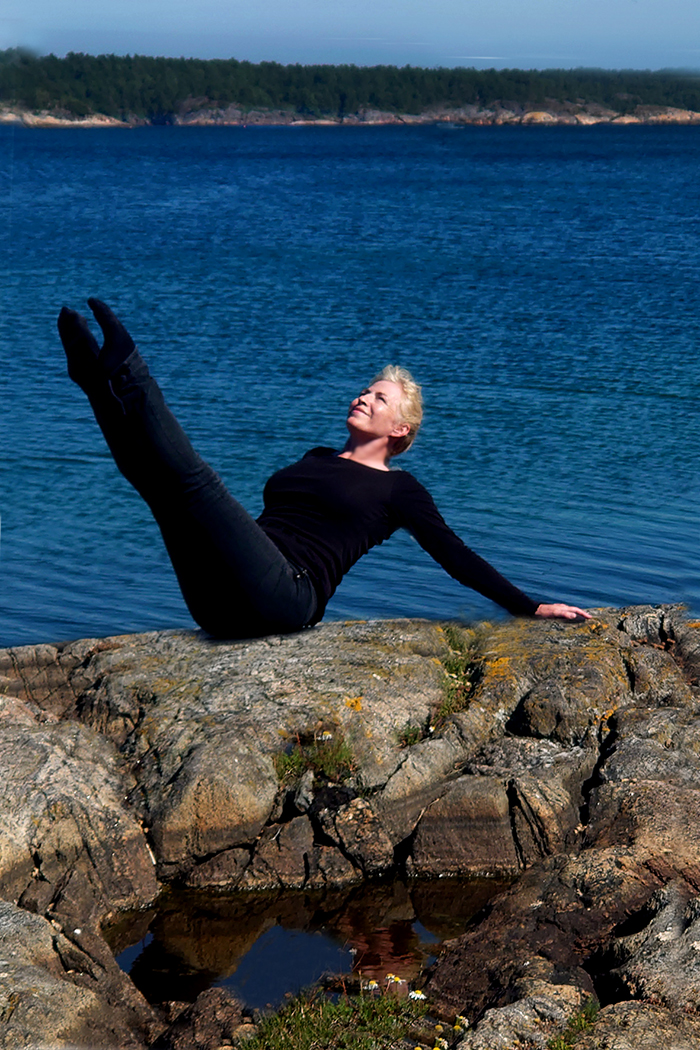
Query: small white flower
[325, 735]
[417, 995]
[371, 985]
[461, 1019]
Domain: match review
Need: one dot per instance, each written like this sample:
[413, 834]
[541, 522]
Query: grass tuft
[312, 1021]
[327, 754]
[577, 1024]
[409, 735]
[462, 670]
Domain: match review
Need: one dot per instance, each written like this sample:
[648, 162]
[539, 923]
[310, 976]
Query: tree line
[157, 88]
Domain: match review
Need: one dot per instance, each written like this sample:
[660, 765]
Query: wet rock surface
[563, 756]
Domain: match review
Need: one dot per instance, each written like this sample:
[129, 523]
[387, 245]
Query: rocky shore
[565, 757]
[201, 113]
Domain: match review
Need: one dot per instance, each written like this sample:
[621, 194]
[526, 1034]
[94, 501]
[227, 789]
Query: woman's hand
[559, 611]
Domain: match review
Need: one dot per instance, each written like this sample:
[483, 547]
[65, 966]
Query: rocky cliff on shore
[565, 757]
[201, 113]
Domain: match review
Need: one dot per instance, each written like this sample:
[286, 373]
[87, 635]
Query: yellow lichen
[500, 667]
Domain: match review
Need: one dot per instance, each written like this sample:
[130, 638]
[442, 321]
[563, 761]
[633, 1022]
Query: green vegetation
[577, 1024]
[378, 1021]
[409, 735]
[157, 88]
[312, 1021]
[326, 753]
[462, 669]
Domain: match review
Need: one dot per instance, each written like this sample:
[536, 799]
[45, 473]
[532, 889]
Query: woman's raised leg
[235, 581]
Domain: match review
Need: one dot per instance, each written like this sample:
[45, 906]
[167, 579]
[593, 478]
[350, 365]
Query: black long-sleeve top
[325, 512]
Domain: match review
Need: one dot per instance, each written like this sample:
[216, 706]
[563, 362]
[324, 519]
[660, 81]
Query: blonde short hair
[410, 406]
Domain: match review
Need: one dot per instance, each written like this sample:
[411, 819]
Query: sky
[529, 34]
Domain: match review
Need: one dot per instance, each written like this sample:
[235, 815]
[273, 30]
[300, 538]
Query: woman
[241, 578]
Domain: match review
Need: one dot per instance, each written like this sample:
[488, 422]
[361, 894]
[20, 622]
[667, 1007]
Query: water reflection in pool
[263, 946]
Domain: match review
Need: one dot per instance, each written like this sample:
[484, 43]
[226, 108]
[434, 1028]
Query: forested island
[139, 89]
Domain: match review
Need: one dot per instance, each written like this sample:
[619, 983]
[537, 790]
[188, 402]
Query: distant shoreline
[560, 114]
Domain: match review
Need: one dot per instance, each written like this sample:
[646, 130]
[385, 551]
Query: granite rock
[563, 756]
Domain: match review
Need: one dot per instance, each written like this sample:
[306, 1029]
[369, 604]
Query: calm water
[263, 946]
[542, 284]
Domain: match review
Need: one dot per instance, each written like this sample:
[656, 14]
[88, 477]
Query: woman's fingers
[560, 611]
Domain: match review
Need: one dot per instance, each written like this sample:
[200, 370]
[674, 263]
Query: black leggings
[235, 581]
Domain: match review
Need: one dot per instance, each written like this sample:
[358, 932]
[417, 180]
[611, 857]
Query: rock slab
[564, 756]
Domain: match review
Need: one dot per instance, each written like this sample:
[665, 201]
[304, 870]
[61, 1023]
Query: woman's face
[375, 413]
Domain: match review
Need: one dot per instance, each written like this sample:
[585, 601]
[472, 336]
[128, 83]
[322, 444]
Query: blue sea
[541, 283]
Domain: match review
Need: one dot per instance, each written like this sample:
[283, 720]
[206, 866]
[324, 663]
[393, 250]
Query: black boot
[81, 349]
[89, 365]
[118, 344]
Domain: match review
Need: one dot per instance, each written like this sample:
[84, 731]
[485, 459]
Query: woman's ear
[400, 430]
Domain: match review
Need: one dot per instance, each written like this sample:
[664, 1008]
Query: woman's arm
[422, 518]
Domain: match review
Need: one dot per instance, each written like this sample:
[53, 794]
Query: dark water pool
[263, 946]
